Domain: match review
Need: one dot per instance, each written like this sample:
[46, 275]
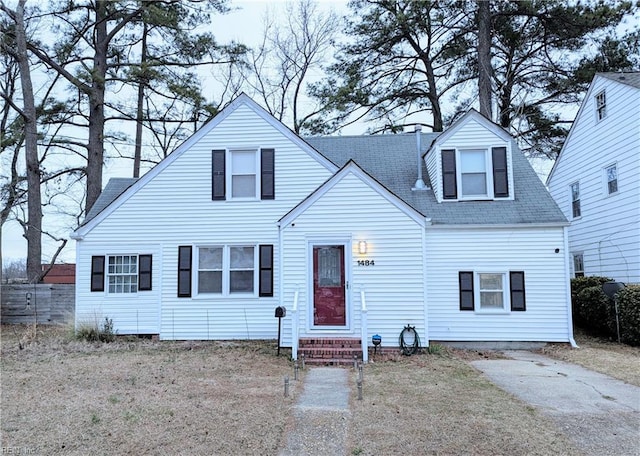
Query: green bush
[629, 314]
[580, 307]
[596, 312]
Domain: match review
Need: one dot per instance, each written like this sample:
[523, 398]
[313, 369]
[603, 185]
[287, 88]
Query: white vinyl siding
[608, 232]
[390, 273]
[497, 250]
[175, 208]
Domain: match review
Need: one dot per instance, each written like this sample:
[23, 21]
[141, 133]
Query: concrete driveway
[599, 414]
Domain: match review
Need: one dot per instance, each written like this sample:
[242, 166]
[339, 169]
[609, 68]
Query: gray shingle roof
[629, 78]
[114, 188]
[391, 159]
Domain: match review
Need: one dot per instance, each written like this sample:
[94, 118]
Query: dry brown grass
[439, 405]
[141, 397]
[611, 358]
[61, 396]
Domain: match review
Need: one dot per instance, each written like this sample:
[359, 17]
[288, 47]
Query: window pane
[210, 282]
[241, 257]
[243, 186]
[210, 258]
[490, 281]
[243, 162]
[241, 282]
[491, 300]
[474, 184]
[473, 161]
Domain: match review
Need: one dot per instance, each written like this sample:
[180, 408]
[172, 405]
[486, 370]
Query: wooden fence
[42, 303]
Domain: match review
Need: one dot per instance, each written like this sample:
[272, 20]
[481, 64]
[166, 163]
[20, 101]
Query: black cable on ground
[407, 349]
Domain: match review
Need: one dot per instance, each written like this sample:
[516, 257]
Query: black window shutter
[267, 167]
[465, 279]
[500, 176]
[218, 185]
[516, 282]
[144, 272]
[449, 184]
[97, 273]
[184, 271]
[266, 270]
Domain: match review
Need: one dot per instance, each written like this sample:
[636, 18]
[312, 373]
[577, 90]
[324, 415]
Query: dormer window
[601, 105]
[473, 174]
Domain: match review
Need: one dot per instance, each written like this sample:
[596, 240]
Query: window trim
[506, 305]
[575, 203]
[607, 187]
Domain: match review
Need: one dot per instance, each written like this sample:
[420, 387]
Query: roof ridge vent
[419, 185]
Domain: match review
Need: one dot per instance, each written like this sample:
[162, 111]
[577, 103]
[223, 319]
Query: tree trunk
[95, 155]
[34, 204]
[137, 156]
[484, 58]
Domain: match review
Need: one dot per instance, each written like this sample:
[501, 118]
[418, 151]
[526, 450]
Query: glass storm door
[329, 307]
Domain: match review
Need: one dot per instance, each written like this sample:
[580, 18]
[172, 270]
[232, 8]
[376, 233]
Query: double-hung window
[233, 269]
[475, 174]
[611, 176]
[575, 200]
[243, 174]
[122, 274]
[492, 292]
[601, 105]
[578, 265]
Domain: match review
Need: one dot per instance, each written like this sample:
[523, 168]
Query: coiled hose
[409, 349]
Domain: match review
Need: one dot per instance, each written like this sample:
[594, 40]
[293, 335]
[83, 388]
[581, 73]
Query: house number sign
[366, 263]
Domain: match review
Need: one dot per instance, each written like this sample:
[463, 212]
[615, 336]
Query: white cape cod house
[348, 233]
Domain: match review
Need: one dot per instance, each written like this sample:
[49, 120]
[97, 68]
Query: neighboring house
[596, 180]
[60, 273]
[246, 216]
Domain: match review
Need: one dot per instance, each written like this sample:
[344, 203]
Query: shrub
[596, 311]
[581, 308]
[629, 314]
[95, 333]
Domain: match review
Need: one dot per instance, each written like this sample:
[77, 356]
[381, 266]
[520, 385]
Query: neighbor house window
[492, 291]
[475, 173]
[575, 199]
[601, 105]
[611, 174]
[243, 174]
[578, 265]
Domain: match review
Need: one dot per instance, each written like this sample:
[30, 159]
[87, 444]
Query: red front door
[328, 286]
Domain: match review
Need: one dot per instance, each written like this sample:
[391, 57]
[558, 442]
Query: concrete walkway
[321, 415]
[599, 414]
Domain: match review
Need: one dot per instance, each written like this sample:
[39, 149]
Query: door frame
[344, 241]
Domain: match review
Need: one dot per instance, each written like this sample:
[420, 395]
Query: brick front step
[334, 351]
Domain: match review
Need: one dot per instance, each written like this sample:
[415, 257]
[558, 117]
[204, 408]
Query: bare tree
[280, 68]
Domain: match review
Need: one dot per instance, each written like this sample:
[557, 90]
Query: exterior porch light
[362, 247]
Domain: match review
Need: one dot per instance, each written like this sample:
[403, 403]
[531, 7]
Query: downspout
[567, 275]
